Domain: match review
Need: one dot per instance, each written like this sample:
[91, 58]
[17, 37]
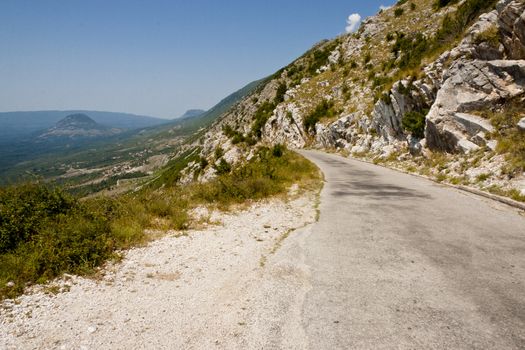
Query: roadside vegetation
[45, 231]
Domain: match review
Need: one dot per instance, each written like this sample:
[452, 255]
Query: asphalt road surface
[395, 262]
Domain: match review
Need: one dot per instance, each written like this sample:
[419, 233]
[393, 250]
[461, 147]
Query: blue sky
[153, 57]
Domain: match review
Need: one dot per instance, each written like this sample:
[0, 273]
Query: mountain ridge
[192, 113]
[19, 124]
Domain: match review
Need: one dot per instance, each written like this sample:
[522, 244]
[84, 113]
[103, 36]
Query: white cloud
[383, 7]
[352, 23]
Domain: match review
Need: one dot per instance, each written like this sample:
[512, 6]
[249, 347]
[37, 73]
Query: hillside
[192, 113]
[434, 88]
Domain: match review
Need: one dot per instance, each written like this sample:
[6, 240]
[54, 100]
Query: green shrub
[219, 152]
[414, 122]
[24, 209]
[367, 58]
[318, 57]
[511, 140]
[263, 113]
[278, 150]
[266, 174]
[223, 167]
[410, 49]
[203, 163]
[323, 110]
[63, 234]
[279, 94]
[398, 12]
[454, 25]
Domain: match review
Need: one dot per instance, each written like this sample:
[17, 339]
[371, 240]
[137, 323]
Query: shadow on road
[362, 183]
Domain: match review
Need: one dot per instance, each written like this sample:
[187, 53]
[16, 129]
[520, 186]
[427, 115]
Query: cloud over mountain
[352, 22]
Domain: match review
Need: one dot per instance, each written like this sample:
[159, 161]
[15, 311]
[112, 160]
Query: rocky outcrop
[285, 126]
[471, 86]
[512, 26]
[405, 96]
[483, 70]
[338, 134]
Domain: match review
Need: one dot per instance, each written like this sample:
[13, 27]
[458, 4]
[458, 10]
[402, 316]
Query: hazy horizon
[156, 59]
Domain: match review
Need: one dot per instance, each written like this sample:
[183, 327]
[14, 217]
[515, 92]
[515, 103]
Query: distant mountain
[16, 125]
[77, 125]
[23, 158]
[192, 113]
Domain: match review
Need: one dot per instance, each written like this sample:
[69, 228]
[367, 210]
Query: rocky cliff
[435, 88]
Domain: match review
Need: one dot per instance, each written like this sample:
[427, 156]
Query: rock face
[471, 86]
[474, 76]
[285, 126]
[512, 26]
[338, 134]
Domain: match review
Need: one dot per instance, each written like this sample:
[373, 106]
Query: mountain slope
[433, 88]
[192, 113]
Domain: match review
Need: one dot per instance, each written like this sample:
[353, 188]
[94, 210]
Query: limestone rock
[285, 126]
[470, 86]
[511, 21]
[521, 124]
[337, 134]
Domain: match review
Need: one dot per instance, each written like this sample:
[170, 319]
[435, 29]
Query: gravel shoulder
[193, 291]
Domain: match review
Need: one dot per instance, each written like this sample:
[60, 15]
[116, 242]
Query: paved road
[396, 262]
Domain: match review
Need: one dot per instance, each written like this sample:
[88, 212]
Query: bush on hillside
[414, 123]
[325, 109]
[263, 113]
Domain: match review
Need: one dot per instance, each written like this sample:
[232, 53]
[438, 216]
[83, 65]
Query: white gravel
[192, 292]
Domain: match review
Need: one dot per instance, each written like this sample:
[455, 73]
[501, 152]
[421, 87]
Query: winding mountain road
[395, 262]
